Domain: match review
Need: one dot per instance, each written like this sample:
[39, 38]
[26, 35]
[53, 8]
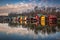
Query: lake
[30, 31]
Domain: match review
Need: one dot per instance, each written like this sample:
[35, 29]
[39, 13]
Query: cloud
[19, 30]
[22, 7]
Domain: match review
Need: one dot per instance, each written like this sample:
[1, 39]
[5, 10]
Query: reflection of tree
[11, 24]
[43, 29]
[36, 28]
[58, 22]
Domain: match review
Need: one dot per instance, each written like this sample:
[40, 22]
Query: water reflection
[36, 27]
[30, 30]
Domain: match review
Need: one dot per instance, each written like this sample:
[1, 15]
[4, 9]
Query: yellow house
[42, 20]
[21, 20]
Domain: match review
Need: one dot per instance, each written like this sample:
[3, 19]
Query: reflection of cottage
[52, 20]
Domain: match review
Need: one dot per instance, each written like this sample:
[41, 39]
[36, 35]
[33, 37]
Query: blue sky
[3, 2]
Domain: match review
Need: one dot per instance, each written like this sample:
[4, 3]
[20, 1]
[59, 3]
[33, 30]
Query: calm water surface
[10, 31]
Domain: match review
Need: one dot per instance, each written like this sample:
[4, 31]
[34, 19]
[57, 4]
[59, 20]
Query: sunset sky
[7, 6]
